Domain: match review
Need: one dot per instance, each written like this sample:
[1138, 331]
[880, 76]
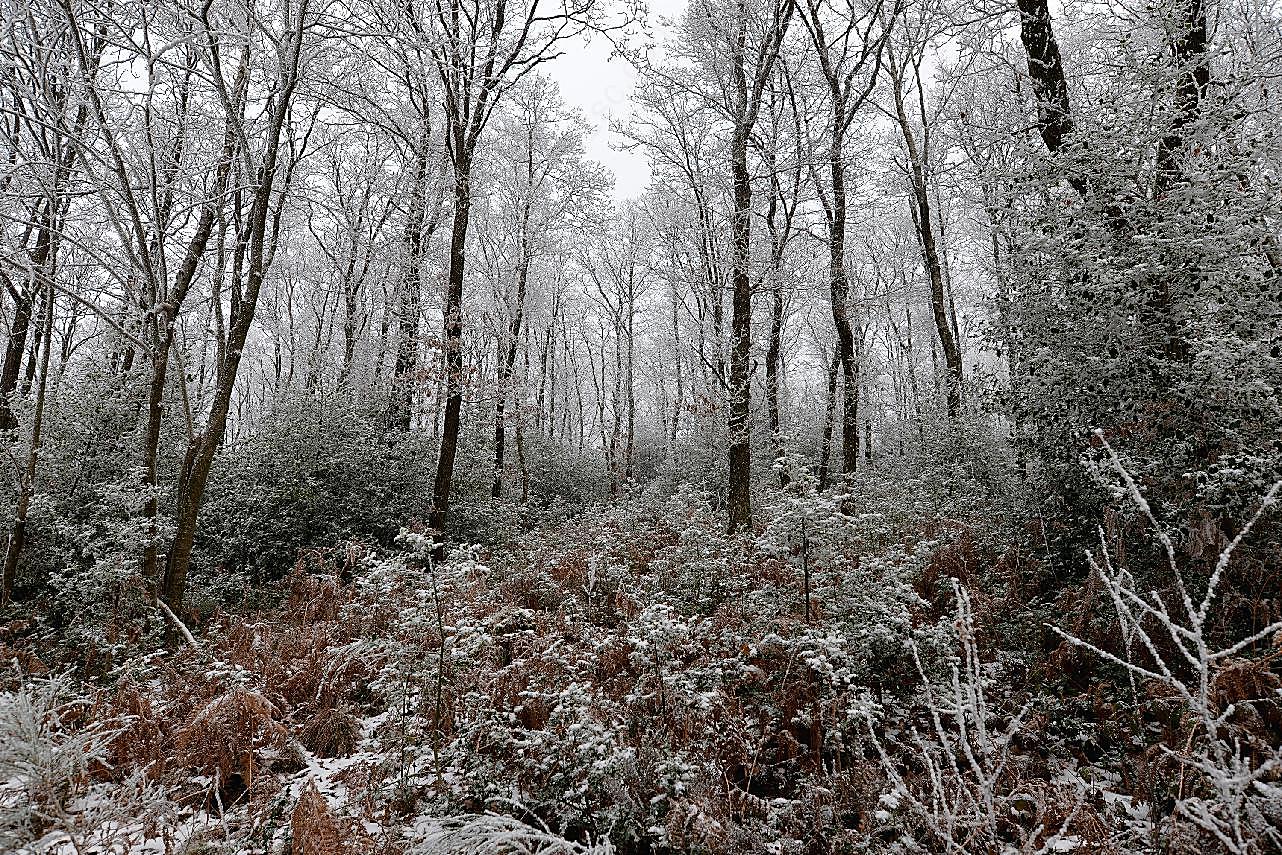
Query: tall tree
[905, 70]
[848, 42]
[734, 46]
[481, 50]
[252, 256]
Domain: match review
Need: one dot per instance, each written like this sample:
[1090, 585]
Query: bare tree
[904, 67]
[251, 258]
[481, 50]
[783, 130]
[549, 183]
[848, 43]
[735, 46]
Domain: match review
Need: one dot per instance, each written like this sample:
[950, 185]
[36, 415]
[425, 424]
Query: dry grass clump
[331, 732]
[312, 664]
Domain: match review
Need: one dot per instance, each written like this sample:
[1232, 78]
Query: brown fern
[140, 742]
[229, 736]
[315, 830]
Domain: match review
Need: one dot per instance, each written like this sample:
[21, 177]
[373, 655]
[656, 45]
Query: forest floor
[633, 681]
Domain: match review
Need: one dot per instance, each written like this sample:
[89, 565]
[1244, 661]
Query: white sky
[601, 88]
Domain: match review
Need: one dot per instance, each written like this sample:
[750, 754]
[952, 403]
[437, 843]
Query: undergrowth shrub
[642, 676]
[304, 480]
[840, 678]
[50, 747]
[231, 738]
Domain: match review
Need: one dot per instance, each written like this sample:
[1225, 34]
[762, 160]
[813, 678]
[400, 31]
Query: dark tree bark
[33, 351]
[545, 400]
[19, 328]
[453, 345]
[1191, 61]
[61, 148]
[783, 200]
[48, 211]
[830, 416]
[629, 378]
[772, 373]
[479, 53]
[679, 392]
[1046, 69]
[1193, 75]
[839, 295]
[27, 480]
[745, 106]
[158, 298]
[740, 451]
[1192, 66]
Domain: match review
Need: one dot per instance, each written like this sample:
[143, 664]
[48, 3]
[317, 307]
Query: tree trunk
[404, 379]
[629, 450]
[27, 484]
[774, 349]
[522, 463]
[164, 316]
[679, 393]
[203, 445]
[23, 306]
[9, 373]
[1193, 76]
[616, 404]
[545, 400]
[33, 352]
[740, 449]
[772, 374]
[746, 99]
[151, 449]
[830, 416]
[453, 351]
[508, 358]
[912, 371]
[840, 298]
[923, 220]
[1046, 69]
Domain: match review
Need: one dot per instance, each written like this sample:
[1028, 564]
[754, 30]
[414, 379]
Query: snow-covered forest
[894, 469]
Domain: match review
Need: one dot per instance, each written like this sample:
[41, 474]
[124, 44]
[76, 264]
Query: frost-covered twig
[484, 834]
[1237, 784]
[45, 759]
[965, 799]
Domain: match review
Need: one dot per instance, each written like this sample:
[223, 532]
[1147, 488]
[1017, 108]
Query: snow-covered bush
[43, 759]
[640, 675]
